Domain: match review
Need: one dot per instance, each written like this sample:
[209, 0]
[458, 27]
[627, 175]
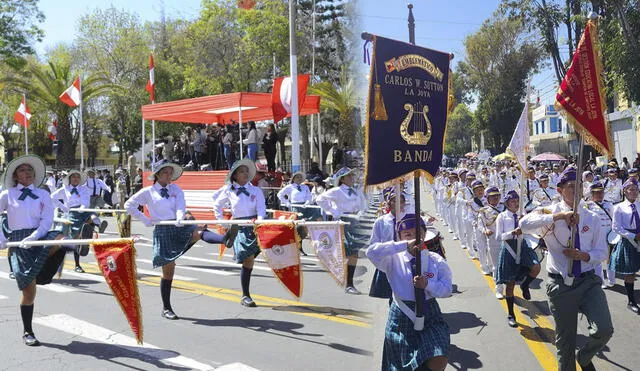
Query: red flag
[281, 95]
[290, 215]
[279, 243]
[71, 97]
[53, 129]
[246, 4]
[117, 261]
[151, 84]
[23, 114]
[581, 93]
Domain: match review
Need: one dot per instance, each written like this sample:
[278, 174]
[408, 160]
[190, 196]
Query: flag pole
[81, 128]
[142, 149]
[153, 141]
[26, 123]
[295, 119]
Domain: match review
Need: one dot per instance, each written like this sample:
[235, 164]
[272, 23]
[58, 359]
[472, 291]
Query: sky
[440, 25]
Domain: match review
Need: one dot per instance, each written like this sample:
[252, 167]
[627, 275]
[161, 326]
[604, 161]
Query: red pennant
[279, 243]
[288, 215]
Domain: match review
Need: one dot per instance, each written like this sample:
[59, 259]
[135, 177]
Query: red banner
[220, 229]
[288, 215]
[118, 265]
[581, 94]
[279, 243]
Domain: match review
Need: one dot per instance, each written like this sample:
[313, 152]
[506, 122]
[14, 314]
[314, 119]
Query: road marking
[221, 262]
[309, 258]
[3, 297]
[61, 289]
[69, 272]
[236, 366]
[195, 269]
[78, 327]
[159, 274]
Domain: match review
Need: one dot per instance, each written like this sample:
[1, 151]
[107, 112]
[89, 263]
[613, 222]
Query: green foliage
[458, 140]
[19, 21]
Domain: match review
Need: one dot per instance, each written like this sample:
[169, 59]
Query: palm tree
[43, 84]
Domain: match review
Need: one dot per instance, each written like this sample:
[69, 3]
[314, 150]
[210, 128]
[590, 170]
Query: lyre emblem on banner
[420, 124]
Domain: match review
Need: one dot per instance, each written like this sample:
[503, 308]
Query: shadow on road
[462, 320]
[583, 339]
[109, 352]
[463, 359]
[330, 311]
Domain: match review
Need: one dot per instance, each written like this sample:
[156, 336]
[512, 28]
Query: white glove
[31, 237]
[179, 220]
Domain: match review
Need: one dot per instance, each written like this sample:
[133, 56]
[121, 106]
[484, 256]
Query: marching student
[295, 193]
[587, 180]
[625, 258]
[246, 202]
[509, 271]
[573, 287]
[165, 201]
[95, 186]
[404, 347]
[340, 200]
[604, 210]
[464, 201]
[531, 185]
[73, 195]
[613, 186]
[475, 206]
[545, 195]
[29, 218]
[487, 226]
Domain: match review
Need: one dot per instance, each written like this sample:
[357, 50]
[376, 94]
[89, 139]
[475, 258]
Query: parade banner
[118, 265]
[279, 243]
[519, 144]
[288, 215]
[406, 112]
[220, 229]
[580, 96]
[328, 241]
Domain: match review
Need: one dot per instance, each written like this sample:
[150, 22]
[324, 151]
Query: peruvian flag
[281, 95]
[151, 84]
[71, 97]
[52, 129]
[246, 4]
[279, 243]
[580, 96]
[23, 115]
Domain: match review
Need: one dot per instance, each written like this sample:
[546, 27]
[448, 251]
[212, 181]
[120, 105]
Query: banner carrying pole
[81, 129]
[26, 137]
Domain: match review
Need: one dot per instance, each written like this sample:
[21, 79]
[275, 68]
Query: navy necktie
[27, 192]
[94, 188]
[351, 191]
[635, 218]
[515, 221]
[164, 193]
[576, 263]
[74, 190]
[242, 190]
[299, 188]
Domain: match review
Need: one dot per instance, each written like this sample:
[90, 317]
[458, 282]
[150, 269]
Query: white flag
[519, 145]
[328, 241]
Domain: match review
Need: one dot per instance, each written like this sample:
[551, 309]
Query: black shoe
[246, 301]
[82, 250]
[30, 340]
[526, 294]
[79, 270]
[103, 226]
[230, 236]
[588, 367]
[303, 253]
[168, 314]
[633, 307]
[512, 321]
[12, 276]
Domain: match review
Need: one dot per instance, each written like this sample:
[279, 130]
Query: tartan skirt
[625, 259]
[245, 244]
[34, 262]
[508, 270]
[78, 218]
[352, 243]
[308, 213]
[407, 349]
[170, 242]
[380, 287]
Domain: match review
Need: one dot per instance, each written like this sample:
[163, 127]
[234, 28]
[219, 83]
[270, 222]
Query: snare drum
[433, 242]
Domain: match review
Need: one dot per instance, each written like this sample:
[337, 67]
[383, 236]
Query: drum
[433, 242]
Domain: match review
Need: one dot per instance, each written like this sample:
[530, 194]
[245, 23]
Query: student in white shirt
[95, 186]
[613, 186]
[487, 226]
[246, 201]
[252, 141]
[404, 347]
[165, 201]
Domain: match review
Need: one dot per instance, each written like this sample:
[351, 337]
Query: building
[624, 123]
[550, 132]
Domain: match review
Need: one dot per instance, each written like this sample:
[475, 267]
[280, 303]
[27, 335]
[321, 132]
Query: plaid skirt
[78, 218]
[34, 262]
[407, 349]
[245, 244]
[508, 270]
[625, 259]
[352, 243]
[380, 287]
[170, 242]
[308, 213]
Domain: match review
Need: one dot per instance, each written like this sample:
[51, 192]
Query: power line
[419, 20]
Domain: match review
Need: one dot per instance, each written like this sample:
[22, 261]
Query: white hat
[83, 177]
[177, 170]
[244, 162]
[33, 160]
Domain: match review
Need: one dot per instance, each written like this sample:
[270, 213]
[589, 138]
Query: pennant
[118, 265]
[23, 114]
[71, 97]
[519, 144]
[328, 241]
[581, 96]
[52, 131]
[220, 229]
[151, 84]
[279, 243]
[281, 95]
[285, 215]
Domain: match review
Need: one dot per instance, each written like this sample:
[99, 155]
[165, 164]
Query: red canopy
[221, 108]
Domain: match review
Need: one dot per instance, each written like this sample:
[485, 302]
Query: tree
[458, 140]
[19, 21]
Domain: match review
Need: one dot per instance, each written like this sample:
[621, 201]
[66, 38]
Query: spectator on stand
[269, 147]
[314, 174]
[199, 148]
[227, 142]
[131, 164]
[137, 181]
[252, 142]
[108, 180]
[167, 150]
[213, 142]
[337, 157]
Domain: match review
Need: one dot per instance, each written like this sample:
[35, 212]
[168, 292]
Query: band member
[96, 186]
[509, 271]
[459, 208]
[587, 180]
[625, 259]
[165, 201]
[545, 195]
[295, 193]
[478, 203]
[554, 177]
[72, 195]
[613, 186]
[531, 185]
[405, 348]
[29, 216]
[487, 226]
[604, 210]
[573, 286]
[449, 200]
[464, 201]
[338, 201]
[246, 202]
[633, 173]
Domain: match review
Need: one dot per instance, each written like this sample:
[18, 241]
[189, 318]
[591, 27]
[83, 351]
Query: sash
[603, 209]
[510, 250]
[409, 312]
